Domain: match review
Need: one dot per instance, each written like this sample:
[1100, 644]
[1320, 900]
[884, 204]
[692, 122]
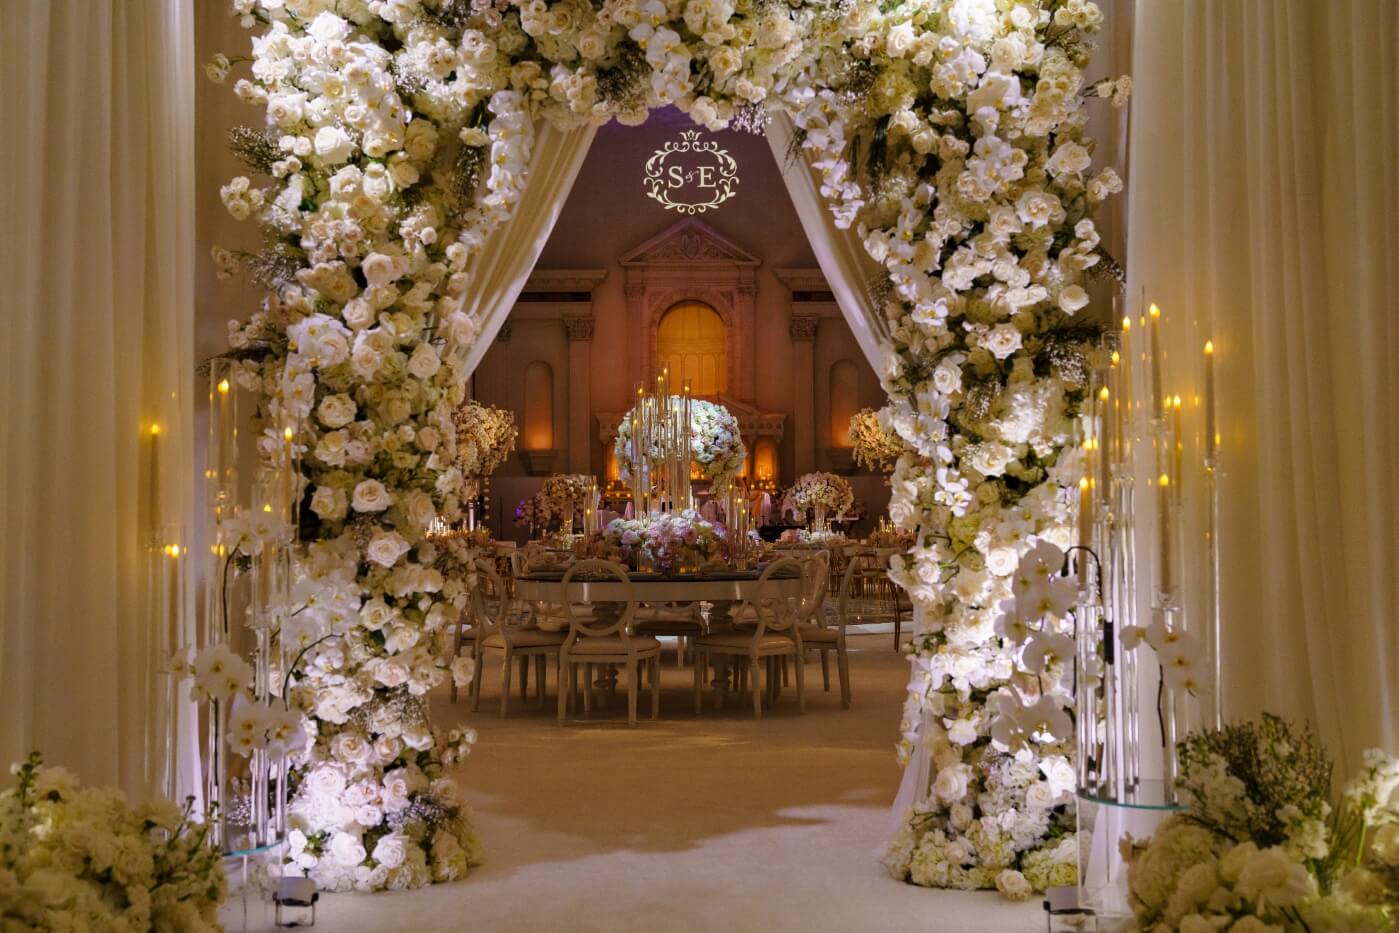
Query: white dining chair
[773, 635]
[602, 636]
[501, 633]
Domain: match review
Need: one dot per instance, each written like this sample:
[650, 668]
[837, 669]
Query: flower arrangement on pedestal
[560, 495]
[876, 447]
[80, 858]
[485, 436]
[716, 443]
[669, 541]
[820, 491]
[1259, 847]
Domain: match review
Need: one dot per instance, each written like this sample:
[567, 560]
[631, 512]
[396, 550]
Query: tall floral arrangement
[82, 858]
[485, 438]
[948, 133]
[560, 495]
[823, 490]
[1259, 846]
[716, 443]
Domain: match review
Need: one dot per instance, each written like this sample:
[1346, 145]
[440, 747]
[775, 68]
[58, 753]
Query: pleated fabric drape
[848, 269]
[503, 266]
[1265, 217]
[97, 306]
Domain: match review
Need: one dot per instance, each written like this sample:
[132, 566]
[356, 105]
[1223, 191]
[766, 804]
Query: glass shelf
[1147, 795]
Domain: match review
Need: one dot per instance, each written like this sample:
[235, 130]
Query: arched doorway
[692, 340]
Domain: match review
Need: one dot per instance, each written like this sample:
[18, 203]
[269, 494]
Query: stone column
[580, 392]
[803, 332]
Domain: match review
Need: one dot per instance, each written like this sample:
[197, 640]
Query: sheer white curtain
[848, 269]
[505, 262]
[98, 298]
[1265, 216]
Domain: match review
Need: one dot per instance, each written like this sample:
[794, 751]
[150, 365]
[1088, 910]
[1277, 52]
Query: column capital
[804, 326]
[579, 327]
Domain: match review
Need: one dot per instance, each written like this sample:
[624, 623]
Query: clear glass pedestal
[1103, 819]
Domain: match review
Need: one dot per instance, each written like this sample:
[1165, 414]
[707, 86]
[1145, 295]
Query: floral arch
[948, 133]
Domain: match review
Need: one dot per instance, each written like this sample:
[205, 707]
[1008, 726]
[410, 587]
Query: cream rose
[371, 496]
[386, 547]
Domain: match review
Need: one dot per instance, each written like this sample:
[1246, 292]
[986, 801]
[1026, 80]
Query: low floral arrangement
[801, 537]
[820, 490]
[716, 444]
[668, 542]
[485, 437]
[78, 858]
[560, 495]
[1259, 846]
[888, 536]
[876, 447]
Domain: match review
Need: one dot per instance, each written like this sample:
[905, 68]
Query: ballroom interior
[699, 465]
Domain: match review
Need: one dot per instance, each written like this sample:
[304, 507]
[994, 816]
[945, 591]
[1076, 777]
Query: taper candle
[1211, 431]
[1158, 401]
[1085, 529]
[1163, 504]
[1177, 447]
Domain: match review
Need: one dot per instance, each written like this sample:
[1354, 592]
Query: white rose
[381, 269]
[424, 362]
[947, 378]
[371, 496]
[1002, 561]
[385, 548]
[333, 144]
[1040, 796]
[1002, 340]
[349, 747]
[347, 850]
[1013, 885]
[961, 732]
[329, 503]
[951, 784]
[336, 410]
[396, 790]
[1072, 298]
[391, 850]
[417, 505]
[418, 737]
[463, 670]
[358, 313]
[428, 439]
[386, 748]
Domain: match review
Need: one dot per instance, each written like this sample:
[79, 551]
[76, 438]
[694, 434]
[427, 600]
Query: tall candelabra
[660, 449]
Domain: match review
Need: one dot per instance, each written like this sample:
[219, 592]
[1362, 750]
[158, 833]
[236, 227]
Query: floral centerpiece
[801, 537]
[876, 446]
[1258, 846]
[669, 541]
[485, 437]
[560, 495]
[716, 443]
[820, 493]
[79, 858]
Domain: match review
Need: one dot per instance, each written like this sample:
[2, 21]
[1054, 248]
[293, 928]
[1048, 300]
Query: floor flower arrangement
[716, 444]
[1259, 846]
[82, 858]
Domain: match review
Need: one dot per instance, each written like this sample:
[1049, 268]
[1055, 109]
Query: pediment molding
[689, 243]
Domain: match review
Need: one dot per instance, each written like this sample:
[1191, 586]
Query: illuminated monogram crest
[691, 175]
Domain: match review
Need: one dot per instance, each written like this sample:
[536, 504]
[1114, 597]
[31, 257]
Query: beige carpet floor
[709, 823]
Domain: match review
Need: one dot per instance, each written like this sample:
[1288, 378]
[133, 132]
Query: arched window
[764, 456]
[692, 340]
[539, 406]
[845, 400]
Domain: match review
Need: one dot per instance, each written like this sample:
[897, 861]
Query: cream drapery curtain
[503, 266]
[98, 302]
[1265, 216]
[848, 269]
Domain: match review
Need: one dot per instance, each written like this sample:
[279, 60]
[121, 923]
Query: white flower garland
[949, 133]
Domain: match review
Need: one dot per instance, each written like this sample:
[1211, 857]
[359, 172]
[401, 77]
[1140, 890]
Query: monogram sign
[691, 175]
